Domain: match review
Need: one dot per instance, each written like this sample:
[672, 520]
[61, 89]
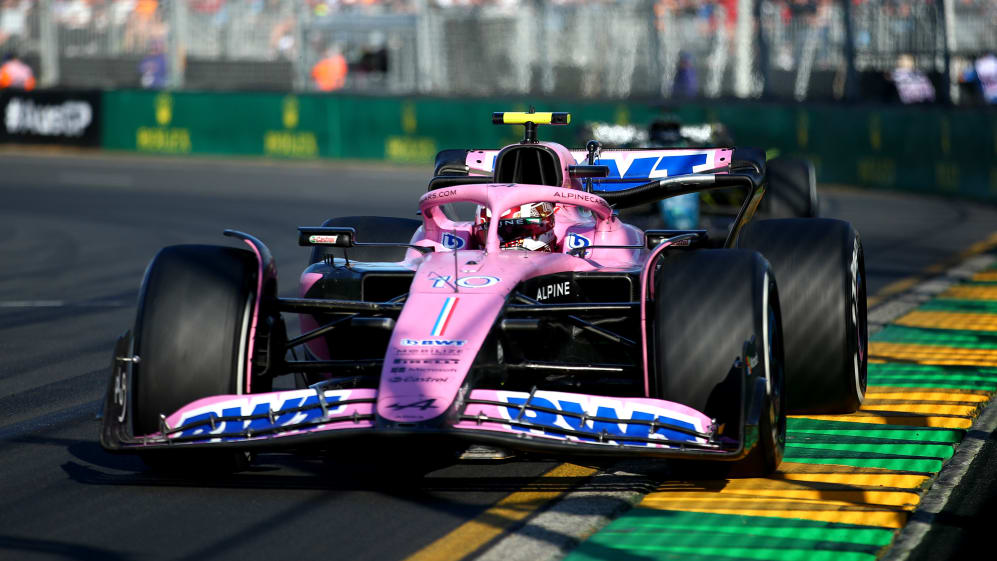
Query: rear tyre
[821, 271]
[792, 188]
[712, 306]
[370, 229]
[191, 335]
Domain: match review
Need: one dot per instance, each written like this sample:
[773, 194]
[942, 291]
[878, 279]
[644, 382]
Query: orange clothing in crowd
[146, 9]
[330, 73]
[16, 74]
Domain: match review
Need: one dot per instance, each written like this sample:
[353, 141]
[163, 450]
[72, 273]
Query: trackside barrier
[923, 149]
[60, 117]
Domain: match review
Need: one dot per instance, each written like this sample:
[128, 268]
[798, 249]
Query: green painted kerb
[646, 534]
[964, 306]
[942, 337]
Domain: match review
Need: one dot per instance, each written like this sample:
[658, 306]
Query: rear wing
[647, 175]
[627, 168]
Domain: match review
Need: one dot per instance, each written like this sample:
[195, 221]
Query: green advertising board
[214, 123]
[925, 149]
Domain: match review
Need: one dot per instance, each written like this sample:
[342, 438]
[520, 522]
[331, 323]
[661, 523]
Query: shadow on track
[13, 547]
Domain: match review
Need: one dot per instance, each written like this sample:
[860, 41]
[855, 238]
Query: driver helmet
[529, 227]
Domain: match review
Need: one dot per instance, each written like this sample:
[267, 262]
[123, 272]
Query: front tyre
[192, 333]
[717, 347]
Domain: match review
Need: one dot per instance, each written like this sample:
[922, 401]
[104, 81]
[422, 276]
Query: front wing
[541, 421]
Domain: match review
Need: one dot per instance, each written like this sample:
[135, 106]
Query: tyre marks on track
[848, 482]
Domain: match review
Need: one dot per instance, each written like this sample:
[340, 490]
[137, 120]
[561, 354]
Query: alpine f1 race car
[541, 325]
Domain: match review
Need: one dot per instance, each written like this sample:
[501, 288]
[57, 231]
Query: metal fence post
[176, 31]
[742, 43]
[948, 16]
[300, 63]
[424, 47]
[851, 78]
[48, 45]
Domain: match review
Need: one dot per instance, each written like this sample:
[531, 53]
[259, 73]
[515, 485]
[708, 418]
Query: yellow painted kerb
[509, 511]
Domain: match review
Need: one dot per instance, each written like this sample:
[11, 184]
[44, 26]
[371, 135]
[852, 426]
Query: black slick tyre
[716, 342]
[792, 189]
[191, 335]
[370, 229]
[821, 271]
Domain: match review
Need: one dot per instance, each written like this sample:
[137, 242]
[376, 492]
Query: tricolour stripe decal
[442, 320]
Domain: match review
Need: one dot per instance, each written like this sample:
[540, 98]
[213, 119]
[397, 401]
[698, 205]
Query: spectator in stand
[282, 38]
[912, 85]
[152, 70]
[983, 75]
[15, 74]
[329, 73]
[686, 83]
[144, 24]
[13, 22]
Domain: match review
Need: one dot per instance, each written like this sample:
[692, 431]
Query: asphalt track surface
[76, 233]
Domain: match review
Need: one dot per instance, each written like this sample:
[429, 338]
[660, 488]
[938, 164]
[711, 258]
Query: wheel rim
[776, 374]
[858, 328]
[772, 331]
[244, 363]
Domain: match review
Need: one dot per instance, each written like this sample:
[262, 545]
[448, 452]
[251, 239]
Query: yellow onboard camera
[530, 120]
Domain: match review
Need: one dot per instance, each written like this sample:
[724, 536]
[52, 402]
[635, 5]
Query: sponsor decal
[439, 194]
[443, 319]
[69, 118]
[451, 241]
[429, 351]
[322, 239]
[433, 342]
[579, 196]
[631, 165]
[424, 379]
[410, 148]
[293, 411]
[427, 361]
[474, 281]
[163, 138]
[554, 290]
[121, 391]
[615, 413]
[290, 143]
[653, 166]
[576, 241]
[423, 405]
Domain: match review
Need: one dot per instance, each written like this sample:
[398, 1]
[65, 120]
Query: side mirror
[335, 237]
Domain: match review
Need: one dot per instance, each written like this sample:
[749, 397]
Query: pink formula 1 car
[541, 324]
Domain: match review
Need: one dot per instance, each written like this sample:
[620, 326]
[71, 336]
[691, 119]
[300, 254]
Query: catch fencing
[669, 49]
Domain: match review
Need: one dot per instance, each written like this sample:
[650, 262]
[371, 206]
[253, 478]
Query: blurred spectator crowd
[326, 45]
